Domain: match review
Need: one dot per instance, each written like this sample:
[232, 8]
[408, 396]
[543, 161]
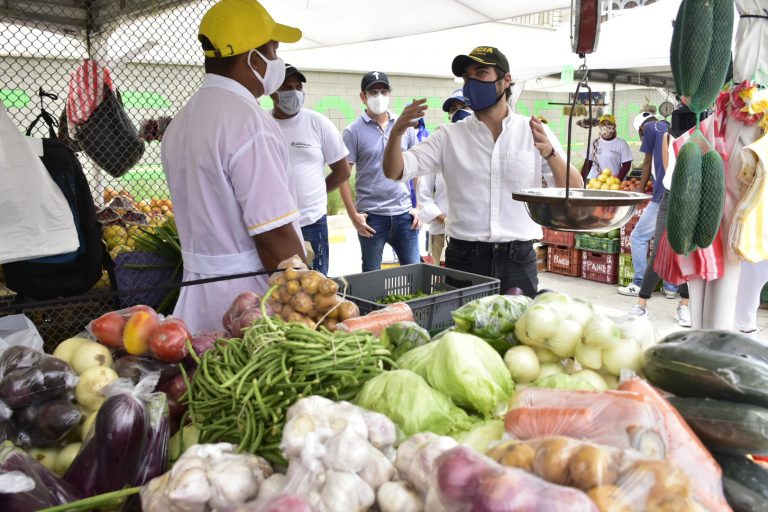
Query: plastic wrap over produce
[615, 479]
[492, 318]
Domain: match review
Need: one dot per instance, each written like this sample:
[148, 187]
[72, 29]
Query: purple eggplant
[46, 423]
[18, 358]
[49, 491]
[155, 460]
[83, 471]
[121, 432]
[18, 387]
[137, 367]
[175, 388]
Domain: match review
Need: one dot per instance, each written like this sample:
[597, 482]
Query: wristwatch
[551, 154]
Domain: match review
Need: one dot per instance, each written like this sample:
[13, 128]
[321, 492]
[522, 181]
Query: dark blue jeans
[395, 231]
[317, 236]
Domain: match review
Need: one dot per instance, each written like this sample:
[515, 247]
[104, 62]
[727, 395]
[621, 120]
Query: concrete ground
[345, 259]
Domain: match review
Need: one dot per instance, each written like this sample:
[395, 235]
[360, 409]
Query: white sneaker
[683, 316]
[669, 294]
[752, 334]
[632, 290]
[639, 310]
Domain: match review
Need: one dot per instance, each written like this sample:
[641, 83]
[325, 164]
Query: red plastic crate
[626, 233]
[564, 260]
[601, 267]
[560, 238]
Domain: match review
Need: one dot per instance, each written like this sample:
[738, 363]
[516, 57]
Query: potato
[66, 349]
[291, 274]
[609, 498]
[276, 307]
[89, 355]
[514, 454]
[88, 389]
[328, 287]
[310, 282]
[325, 302]
[278, 278]
[551, 459]
[330, 324]
[348, 310]
[674, 504]
[335, 312]
[665, 480]
[287, 312]
[293, 287]
[302, 302]
[283, 295]
[592, 466]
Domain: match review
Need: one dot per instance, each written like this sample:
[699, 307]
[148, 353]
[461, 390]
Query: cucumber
[712, 199]
[710, 364]
[745, 483]
[726, 427]
[684, 198]
[675, 50]
[695, 42]
[713, 78]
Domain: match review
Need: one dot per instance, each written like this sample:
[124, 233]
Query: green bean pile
[242, 389]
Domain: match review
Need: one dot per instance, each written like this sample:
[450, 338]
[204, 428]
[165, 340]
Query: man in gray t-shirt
[383, 212]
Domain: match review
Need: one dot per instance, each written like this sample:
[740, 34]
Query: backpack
[65, 275]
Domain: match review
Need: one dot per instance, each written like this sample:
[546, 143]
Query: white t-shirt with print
[610, 155]
[313, 141]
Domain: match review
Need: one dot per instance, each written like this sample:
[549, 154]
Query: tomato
[108, 329]
[168, 342]
[137, 331]
[140, 307]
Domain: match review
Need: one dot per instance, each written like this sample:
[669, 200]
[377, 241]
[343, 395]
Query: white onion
[522, 363]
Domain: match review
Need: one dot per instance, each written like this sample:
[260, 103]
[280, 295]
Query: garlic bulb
[378, 470]
[346, 451]
[398, 497]
[346, 492]
[416, 458]
[382, 432]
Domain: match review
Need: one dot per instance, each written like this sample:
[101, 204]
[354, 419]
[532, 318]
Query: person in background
[607, 152]
[752, 279]
[382, 212]
[682, 120]
[313, 142]
[227, 165]
[433, 199]
[484, 159]
[456, 106]
[652, 133]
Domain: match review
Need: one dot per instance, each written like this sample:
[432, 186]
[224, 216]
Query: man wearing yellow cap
[607, 152]
[226, 162]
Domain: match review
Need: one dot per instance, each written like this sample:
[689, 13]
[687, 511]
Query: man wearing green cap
[226, 162]
[484, 159]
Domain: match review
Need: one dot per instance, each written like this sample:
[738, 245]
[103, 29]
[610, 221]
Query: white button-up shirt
[226, 161]
[481, 175]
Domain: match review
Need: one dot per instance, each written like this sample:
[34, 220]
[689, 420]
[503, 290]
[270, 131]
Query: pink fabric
[86, 91]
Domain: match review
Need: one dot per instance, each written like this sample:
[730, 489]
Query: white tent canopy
[400, 36]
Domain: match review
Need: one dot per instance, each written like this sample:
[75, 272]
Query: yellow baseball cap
[238, 26]
[607, 117]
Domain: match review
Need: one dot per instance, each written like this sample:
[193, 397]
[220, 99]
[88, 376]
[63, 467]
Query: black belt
[515, 244]
[761, 16]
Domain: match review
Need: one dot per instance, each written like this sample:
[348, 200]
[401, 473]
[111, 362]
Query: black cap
[487, 55]
[291, 70]
[373, 78]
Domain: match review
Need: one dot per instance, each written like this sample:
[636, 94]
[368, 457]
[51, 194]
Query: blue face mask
[481, 95]
[459, 115]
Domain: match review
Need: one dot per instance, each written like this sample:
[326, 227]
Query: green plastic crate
[594, 244]
[433, 312]
[626, 269]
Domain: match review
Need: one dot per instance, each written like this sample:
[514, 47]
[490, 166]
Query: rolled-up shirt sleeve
[546, 170]
[425, 157]
[262, 184]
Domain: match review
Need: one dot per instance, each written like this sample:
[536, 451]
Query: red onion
[511, 490]
[515, 291]
[459, 472]
[203, 341]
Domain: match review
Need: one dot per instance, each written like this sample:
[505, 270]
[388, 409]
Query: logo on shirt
[300, 145]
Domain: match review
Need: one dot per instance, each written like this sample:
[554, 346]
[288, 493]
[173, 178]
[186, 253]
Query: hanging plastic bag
[18, 330]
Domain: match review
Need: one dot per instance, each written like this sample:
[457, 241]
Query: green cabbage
[492, 318]
[402, 337]
[566, 382]
[415, 407]
[481, 435]
[469, 372]
[417, 359]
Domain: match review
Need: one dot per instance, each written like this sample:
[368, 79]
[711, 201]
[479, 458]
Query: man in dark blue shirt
[652, 132]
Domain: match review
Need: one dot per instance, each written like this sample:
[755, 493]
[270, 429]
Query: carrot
[685, 448]
[376, 321]
[533, 422]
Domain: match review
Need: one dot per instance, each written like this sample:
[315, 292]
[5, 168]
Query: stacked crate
[562, 257]
[600, 258]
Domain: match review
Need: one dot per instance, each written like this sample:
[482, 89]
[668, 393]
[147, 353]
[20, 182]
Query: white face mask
[291, 101]
[378, 104]
[607, 131]
[274, 76]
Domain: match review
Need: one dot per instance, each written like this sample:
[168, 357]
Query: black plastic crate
[433, 312]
